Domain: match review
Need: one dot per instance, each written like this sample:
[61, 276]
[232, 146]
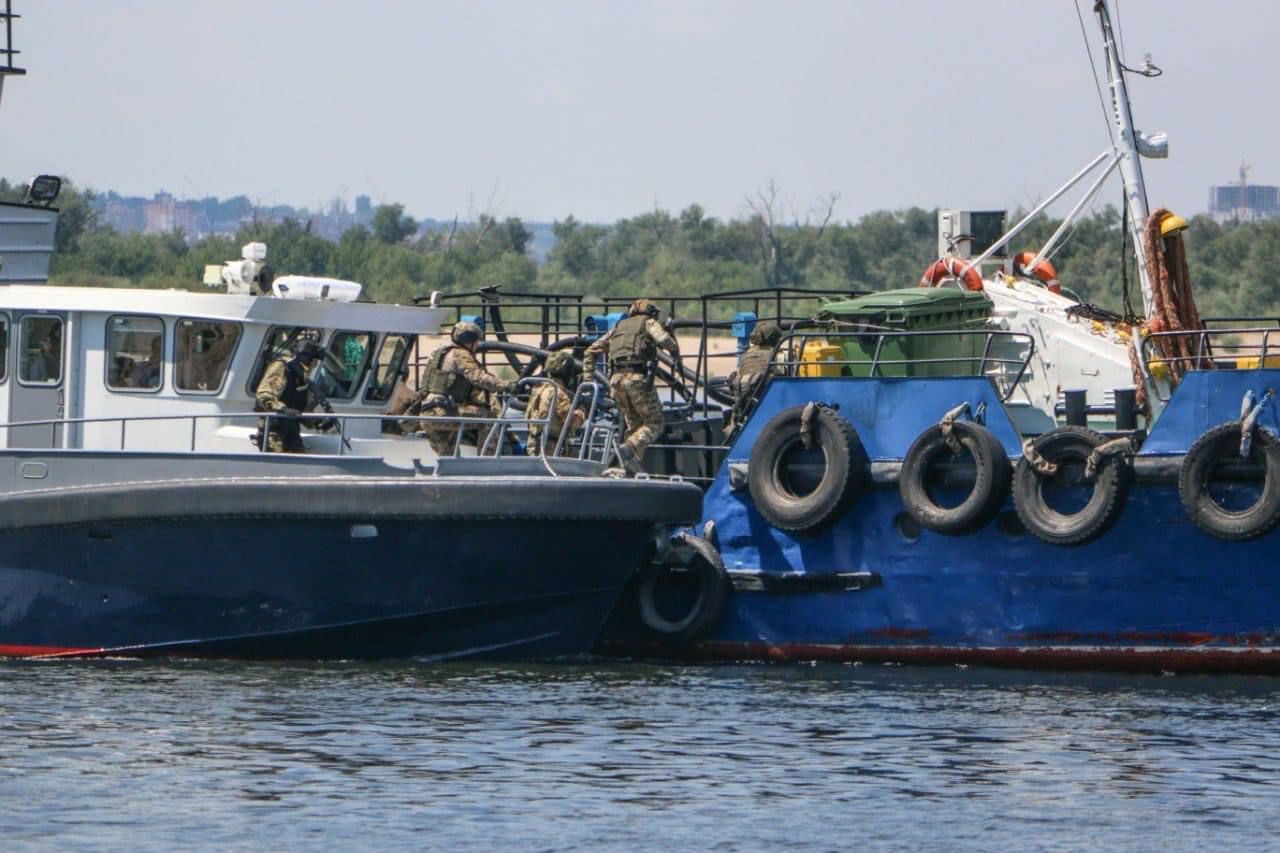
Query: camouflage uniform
[284, 386]
[632, 349]
[457, 386]
[753, 364]
[540, 406]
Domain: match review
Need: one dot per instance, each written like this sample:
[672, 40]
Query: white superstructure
[1072, 352]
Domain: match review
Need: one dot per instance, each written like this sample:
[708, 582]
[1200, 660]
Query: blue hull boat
[1154, 592]
[254, 566]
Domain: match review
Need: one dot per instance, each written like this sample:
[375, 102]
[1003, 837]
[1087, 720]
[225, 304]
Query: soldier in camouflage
[755, 364]
[632, 348]
[285, 389]
[563, 371]
[455, 385]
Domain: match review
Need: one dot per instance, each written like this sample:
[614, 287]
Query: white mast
[1128, 143]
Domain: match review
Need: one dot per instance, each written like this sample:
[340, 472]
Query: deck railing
[1166, 356]
[597, 442]
[1006, 370]
[556, 317]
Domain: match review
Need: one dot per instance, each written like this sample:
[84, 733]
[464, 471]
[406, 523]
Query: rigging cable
[1130, 316]
[1097, 84]
[1120, 31]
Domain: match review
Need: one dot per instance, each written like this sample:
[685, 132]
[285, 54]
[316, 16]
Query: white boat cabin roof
[266, 310]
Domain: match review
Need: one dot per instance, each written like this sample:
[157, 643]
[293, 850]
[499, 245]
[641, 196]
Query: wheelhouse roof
[365, 316]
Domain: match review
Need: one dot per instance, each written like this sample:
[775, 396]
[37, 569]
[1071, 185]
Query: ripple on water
[117, 753]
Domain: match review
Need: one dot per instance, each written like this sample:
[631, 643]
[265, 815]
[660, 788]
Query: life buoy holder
[1219, 448]
[806, 467]
[1043, 270]
[991, 474]
[696, 563]
[1070, 457]
[944, 268]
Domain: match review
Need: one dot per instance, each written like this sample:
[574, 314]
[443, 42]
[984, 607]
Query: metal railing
[589, 392]
[7, 52]
[995, 367]
[596, 436]
[1227, 348]
[558, 318]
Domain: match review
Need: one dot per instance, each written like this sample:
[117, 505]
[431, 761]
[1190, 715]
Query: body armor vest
[296, 391]
[451, 384]
[631, 348]
[753, 362]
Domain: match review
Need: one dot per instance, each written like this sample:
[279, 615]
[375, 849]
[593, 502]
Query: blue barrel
[595, 325]
[744, 322]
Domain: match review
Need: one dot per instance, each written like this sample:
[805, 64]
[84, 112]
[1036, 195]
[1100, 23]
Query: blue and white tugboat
[140, 518]
[984, 470]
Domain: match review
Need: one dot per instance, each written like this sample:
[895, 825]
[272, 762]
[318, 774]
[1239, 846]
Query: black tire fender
[769, 472]
[992, 473]
[1216, 445]
[695, 554]
[1069, 447]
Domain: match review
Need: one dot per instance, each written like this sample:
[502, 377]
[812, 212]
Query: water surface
[116, 754]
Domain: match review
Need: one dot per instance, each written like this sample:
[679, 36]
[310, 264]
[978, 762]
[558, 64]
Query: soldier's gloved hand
[288, 412]
[508, 387]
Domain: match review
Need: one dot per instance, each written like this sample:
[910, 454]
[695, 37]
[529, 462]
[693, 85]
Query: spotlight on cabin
[43, 190]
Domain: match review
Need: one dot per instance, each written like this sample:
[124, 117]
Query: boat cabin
[172, 370]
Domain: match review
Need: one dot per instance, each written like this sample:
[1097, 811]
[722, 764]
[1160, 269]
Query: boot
[629, 459]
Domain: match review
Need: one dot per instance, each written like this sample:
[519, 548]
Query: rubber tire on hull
[713, 588]
[1070, 444]
[992, 473]
[1197, 469]
[842, 477]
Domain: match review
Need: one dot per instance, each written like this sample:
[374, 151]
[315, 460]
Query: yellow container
[820, 359]
[1251, 362]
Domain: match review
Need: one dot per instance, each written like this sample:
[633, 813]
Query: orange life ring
[1043, 270]
[951, 268]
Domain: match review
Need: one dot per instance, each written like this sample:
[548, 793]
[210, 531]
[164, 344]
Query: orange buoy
[951, 268]
[1043, 270]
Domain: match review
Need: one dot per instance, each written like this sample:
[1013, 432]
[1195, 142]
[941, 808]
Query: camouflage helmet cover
[643, 306]
[766, 333]
[561, 364]
[466, 332]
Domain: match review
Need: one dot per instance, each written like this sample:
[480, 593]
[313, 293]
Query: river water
[162, 755]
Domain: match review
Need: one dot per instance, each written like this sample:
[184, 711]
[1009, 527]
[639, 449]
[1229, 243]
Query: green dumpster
[888, 318]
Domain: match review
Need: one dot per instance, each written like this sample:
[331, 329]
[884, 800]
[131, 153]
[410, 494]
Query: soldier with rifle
[286, 391]
[632, 352]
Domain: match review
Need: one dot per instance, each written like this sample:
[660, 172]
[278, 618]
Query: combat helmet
[307, 349]
[643, 306]
[766, 334]
[562, 365]
[466, 332]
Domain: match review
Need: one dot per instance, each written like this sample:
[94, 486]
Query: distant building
[1243, 202]
[158, 214]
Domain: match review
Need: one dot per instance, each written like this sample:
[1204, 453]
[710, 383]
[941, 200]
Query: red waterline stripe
[45, 651]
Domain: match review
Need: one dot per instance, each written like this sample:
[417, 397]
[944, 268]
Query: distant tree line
[1235, 268]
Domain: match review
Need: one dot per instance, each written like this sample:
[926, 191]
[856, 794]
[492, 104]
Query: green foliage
[391, 226]
[1235, 268]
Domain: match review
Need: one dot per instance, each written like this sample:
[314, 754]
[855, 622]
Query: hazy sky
[606, 109]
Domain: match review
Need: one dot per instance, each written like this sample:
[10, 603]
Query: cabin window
[202, 351]
[389, 368]
[4, 347]
[345, 363]
[40, 342]
[135, 353]
[279, 343]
